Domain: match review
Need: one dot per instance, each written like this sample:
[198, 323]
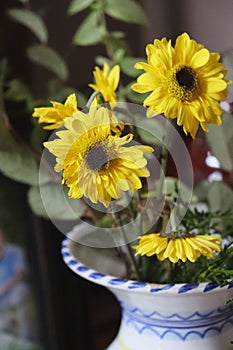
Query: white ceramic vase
[155, 316]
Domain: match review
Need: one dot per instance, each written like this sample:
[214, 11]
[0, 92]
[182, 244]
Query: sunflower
[93, 157]
[57, 113]
[106, 82]
[186, 82]
[175, 247]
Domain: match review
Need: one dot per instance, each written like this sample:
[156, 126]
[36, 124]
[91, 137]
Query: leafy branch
[20, 155]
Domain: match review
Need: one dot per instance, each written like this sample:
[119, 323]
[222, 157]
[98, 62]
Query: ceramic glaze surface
[160, 317]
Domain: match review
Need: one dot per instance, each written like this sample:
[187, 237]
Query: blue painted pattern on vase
[164, 317]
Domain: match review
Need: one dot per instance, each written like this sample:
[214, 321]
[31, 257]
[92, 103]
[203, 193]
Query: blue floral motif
[166, 287]
[82, 269]
[65, 254]
[211, 286]
[134, 285]
[187, 287]
[117, 281]
[96, 275]
[73, 262]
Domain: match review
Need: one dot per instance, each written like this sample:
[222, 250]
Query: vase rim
[111, 281]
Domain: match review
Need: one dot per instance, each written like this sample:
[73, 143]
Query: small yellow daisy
[186, 82]
[106, 82]
[178, 247]
[55, 115]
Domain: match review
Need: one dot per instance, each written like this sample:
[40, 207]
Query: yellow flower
[57, 113]
[186, 82]
[178, 247]
[94, 161]
[106, 82]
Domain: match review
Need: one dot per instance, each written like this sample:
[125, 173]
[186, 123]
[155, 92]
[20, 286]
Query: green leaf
[119, 55]
[201, 190]
[173, 184]
[220, 197]
[16, 162]
[7, 142]
[119, 44]
[134, 96]
[30, 20]
[55, 203]
[228, 62]
[227, 123]
[57, 91]
[78, 6]
[18, 91]
[100, 60]
[48, 58]
[19, 166]
[90, 31]
[127, 11]
[35, 202]
[117, 34]
[81, 100]
[127, 66]
[38, 136]
[151, 131]
[55, 85]
[220, 146]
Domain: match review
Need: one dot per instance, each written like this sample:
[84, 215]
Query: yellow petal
[71, 101]
[114, 77]
[200, 58]
[215, 85]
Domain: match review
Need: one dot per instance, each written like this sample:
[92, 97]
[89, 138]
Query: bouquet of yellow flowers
[113, 149]
[101, 158]
[116, 164]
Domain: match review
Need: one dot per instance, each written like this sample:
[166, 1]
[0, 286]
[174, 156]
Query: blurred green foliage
[20, 152]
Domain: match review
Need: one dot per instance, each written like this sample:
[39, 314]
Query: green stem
[91, 98]
[171, 275]
[129, 250]
[107, 41]
[164, 158]
[172, 219]
[146, 268]
[132, 210]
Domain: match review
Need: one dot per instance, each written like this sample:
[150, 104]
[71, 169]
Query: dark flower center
[183, 83]
[97, 158]
[177, 234]
[186, 78]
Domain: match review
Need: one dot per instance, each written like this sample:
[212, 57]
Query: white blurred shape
[212, 161]
[215, 176]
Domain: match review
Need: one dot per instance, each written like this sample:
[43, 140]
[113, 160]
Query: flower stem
[130, 255]
[107, 41]
[146, 268]
[91, 98]
[132, 210]
[164, 158]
